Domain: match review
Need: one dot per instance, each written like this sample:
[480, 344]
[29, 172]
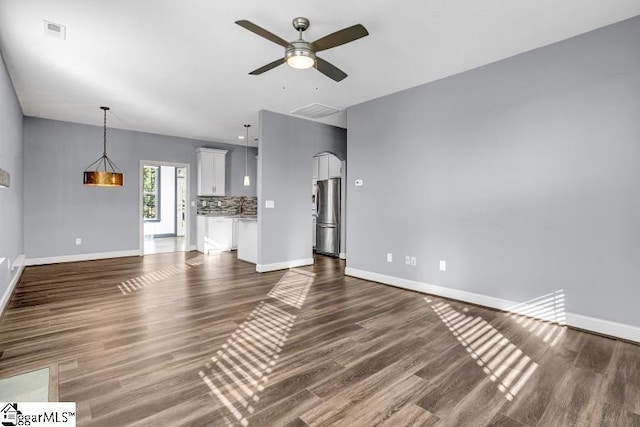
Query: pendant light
[106, 173]
[247, 181]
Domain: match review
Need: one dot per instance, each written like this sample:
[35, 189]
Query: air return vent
[315, 111]
[57, 31]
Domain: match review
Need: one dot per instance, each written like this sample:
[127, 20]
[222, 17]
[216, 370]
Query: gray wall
[287, 145]
[524, 175]
[58, 208]
[11, 161]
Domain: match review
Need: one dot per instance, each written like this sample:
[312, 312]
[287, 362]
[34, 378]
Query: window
[151, 193]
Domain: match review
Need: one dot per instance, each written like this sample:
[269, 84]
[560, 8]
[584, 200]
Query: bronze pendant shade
[103, 172]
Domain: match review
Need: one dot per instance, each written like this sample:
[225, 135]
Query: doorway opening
[327, 220]
[164, 207]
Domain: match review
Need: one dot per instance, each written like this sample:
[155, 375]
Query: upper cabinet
[326, 166]
[335, 166]
[211, 171]
[315, 167]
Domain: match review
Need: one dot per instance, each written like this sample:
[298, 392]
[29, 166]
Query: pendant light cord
[246, 152]
[105, 133]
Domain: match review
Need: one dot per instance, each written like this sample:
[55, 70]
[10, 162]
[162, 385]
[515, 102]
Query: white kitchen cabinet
[215, 234]
[211, 164]
[323, 167]
[201, 227]
[335, 166]
[234, 234]
[248, 240]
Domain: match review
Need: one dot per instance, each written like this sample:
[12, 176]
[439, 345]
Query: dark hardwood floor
[181, 339]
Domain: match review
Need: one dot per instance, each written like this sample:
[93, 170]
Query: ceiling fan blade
[268, 67]
[341, 37]
[262, 32]
[330, 70]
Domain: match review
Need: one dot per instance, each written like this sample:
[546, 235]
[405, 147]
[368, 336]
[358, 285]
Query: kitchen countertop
[236, 216]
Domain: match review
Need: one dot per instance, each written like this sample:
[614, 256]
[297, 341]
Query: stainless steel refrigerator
[328, 217]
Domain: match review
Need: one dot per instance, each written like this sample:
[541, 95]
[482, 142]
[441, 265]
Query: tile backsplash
[226, 205]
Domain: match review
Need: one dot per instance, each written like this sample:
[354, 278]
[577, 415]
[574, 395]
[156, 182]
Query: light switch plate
[269, 204]
[389, 257]
[443, 265]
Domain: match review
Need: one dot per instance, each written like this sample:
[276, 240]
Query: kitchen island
[222, 233]
[248, 239]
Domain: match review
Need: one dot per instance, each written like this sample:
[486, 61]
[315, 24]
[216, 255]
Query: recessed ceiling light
[240, 136]
[57, 31]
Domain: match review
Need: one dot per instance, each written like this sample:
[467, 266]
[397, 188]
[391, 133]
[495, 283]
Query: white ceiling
[181, 67]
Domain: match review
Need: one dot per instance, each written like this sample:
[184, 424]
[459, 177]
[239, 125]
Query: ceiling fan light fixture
[300, 56]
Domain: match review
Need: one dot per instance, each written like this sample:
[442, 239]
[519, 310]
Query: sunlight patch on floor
[132, 285]
[293, 287]
[239, 371]
[502, 361]
[544, 316]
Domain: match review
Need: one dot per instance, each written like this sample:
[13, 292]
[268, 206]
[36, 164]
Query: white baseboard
[605, 327]
[192, 248]
[262, 268]
[343, 255]
[81, 257]
[600, 326]
[17, 268]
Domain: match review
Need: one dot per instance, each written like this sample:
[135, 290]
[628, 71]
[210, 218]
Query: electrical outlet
[414, 261]
[204, 203]
[359, 182]
[443, 265]
[269, 204]
[407, 260]
[78, 241]
[219, 204]
[193, 203]
[389, 257]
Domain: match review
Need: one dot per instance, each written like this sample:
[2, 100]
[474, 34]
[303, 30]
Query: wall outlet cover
[414, 260]
[269, 204]
[359, 183]
[407, 260]
[78, 241]
[443, 265]
[389, 257]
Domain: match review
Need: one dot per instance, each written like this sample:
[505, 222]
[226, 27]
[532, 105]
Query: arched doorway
[326, 198]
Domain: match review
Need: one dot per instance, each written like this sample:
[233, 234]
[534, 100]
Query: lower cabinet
[216, 234]
[248, 240]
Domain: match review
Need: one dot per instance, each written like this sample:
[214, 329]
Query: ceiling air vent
[315, 111]
[57, 31]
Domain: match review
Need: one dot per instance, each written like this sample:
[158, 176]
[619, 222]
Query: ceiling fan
[301, 54]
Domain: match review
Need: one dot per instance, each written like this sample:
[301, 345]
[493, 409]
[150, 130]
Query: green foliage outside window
[150, 180]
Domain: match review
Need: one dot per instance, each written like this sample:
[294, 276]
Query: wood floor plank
[198, 340]
[573, 401]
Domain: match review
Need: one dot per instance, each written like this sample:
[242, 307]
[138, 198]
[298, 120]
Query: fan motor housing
[299, 48]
